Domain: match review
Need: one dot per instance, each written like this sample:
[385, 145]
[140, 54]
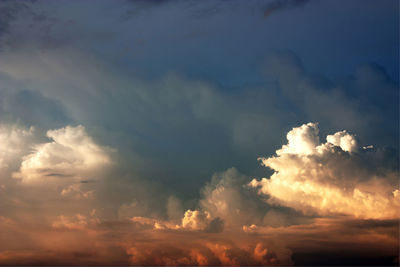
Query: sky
[213, 132]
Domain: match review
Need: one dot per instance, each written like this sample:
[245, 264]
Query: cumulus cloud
[72, 153]
[302, 140]
[172, 133]
[231, 222]
[329, 178]
[345, 141]
[147, 119]
[196, 220]
[226, 203]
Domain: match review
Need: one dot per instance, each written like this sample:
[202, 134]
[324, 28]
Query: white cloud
[72, 154]
[328, 178]
[301, 140]
[346, 141]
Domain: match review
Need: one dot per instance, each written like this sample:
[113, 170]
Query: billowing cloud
[72, 154]
[196, 219]
[345, 141]
[329, 178]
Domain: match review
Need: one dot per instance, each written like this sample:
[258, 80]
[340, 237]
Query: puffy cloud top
[196, 219]
[344, 140]
[329, 178]
[301, 140]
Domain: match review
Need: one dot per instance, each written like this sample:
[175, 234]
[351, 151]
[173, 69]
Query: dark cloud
[215, 226]
[280, 5]
[10, 11]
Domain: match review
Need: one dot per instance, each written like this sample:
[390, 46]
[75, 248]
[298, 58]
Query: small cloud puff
[76, 191]
[328, 178]
[344, 140]
[196, 220]
[193, 220]
[72, 153]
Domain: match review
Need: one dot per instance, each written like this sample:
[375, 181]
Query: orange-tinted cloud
[326, 183]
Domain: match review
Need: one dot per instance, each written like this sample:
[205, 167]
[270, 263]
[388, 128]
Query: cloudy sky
[213, 132]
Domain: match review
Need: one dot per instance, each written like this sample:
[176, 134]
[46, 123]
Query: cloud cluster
[193, 119]
[196, 219]
[231, 224]
[329, 178]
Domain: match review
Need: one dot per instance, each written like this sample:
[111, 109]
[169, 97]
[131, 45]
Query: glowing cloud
[192, 220]
[196, 219]
[328, 178]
